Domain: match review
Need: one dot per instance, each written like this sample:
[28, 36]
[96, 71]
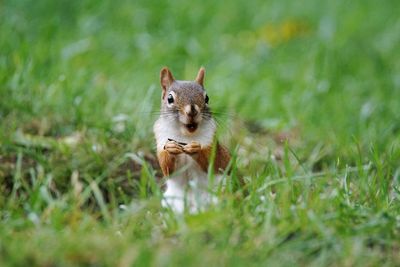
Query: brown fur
[200, 76]
[167, 162]
[166, 79]
[221, 161]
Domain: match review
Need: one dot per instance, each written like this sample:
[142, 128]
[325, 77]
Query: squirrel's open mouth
[191, 127]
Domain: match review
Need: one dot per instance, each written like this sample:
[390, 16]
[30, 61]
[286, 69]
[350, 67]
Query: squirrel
[185, 134]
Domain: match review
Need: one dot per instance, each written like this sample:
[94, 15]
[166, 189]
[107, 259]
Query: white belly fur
[188, 187]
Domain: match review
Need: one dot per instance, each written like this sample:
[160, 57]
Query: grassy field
[308, 94]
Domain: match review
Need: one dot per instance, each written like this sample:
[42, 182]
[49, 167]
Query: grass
[308, 94]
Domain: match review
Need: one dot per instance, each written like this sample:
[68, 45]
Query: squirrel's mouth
[191, 127]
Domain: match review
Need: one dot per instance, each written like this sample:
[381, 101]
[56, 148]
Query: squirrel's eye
[170, 99]
[207, 99]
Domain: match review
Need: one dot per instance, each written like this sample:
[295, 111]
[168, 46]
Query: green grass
[309, 96]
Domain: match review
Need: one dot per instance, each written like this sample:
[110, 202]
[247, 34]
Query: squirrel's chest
[187, 168]
[165, 129]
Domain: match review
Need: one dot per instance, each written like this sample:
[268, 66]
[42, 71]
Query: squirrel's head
[185, 102]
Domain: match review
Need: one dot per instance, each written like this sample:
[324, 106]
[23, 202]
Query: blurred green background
[79, 92]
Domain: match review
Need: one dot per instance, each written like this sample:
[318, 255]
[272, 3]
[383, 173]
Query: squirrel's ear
[166, 79]
[200, 76]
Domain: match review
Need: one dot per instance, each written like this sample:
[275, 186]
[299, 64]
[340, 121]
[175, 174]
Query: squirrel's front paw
[173, 147]
[192, 148]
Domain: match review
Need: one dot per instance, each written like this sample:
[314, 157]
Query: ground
[306, 95]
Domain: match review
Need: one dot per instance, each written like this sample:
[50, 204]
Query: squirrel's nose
[191, 110]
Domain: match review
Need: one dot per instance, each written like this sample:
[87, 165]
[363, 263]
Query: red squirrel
[185, 134]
